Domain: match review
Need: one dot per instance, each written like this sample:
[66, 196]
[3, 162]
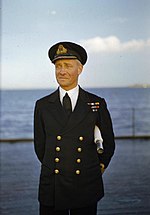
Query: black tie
[67, 104]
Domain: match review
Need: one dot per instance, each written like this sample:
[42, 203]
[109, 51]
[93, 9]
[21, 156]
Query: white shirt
[73, 94]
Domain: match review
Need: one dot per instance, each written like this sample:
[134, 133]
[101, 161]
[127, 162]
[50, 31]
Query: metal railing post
[133, 122]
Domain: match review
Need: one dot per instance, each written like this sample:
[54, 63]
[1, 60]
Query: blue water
[129, 108]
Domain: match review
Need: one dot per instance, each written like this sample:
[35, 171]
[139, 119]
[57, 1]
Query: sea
[129, 109]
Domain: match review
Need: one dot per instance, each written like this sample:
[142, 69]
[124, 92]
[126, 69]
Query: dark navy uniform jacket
[70, 165]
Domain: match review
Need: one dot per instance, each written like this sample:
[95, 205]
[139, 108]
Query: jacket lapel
[57, 109]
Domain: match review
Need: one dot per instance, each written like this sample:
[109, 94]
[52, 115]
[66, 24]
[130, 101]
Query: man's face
[67, 72]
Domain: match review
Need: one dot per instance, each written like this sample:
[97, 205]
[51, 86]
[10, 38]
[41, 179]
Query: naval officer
[64, 123]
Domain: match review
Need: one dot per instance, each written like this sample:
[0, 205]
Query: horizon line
[87, 87]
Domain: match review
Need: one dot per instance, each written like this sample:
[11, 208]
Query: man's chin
[63, 85]
[62, 82]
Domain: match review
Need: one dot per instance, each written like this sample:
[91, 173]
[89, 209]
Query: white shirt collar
[73, 94]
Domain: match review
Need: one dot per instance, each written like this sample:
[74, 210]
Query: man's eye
[69, 66]
[58, 66]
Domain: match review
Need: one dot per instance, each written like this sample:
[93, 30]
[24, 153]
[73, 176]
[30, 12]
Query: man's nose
[62, 71]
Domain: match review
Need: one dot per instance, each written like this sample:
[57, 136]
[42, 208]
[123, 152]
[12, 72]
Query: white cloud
[113, 44]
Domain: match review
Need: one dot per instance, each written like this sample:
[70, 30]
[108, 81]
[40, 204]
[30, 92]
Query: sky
[115, 33]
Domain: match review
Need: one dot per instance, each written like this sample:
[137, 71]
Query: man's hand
[102, 167]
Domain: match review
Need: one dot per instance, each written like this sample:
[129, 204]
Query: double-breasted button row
[77, 171]
[81, 138]
[57, 160]
[79, 149]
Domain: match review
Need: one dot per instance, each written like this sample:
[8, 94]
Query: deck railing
[131, 122]
[128, 123]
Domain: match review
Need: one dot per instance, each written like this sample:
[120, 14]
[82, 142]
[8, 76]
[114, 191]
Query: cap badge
[61, 50]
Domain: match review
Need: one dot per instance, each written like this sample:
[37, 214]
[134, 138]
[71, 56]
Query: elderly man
[64, 131]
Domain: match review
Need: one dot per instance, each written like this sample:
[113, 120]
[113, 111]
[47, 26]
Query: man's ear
[80, 68]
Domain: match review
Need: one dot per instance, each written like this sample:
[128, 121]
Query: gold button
[79, 149]
[58, 149]
[58, 137]
[77, 172]
[78, 160]
[57, 160]
[81, 138]
[56, 171]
